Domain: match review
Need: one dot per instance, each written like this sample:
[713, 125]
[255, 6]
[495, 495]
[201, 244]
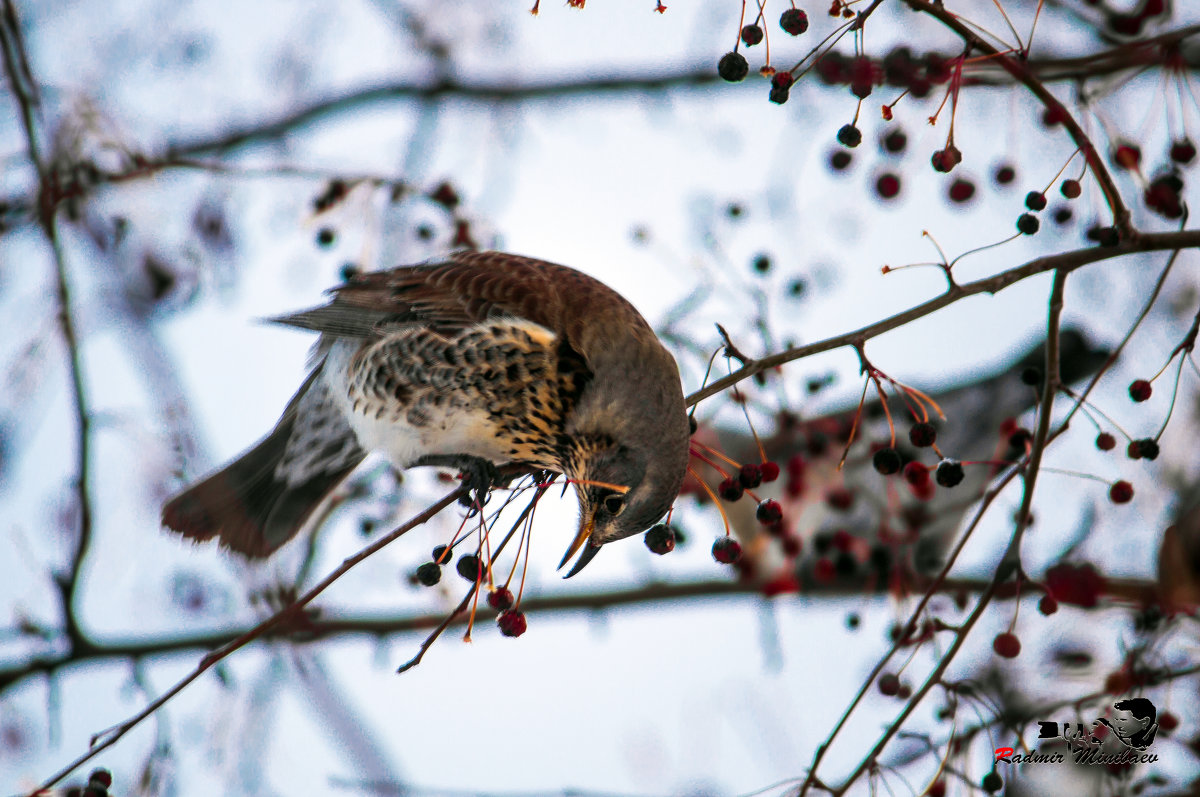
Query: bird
[477, 361]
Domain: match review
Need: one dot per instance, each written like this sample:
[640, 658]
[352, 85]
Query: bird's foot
[479, 476]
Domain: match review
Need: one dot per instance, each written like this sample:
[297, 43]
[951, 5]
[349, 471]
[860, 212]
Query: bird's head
[623, 490]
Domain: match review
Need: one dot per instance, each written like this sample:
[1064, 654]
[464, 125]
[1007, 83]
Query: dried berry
[752, 35]
[769, 471]
[500, 599]
[849, 136]
[512, 622]
[730, 489]
[1035, 200]
[949, 473]
[769, 512]
[922, 434]
[794, 21]
[750, 476]
[660, 539]
[887, 461]
[442, 554]
[1027, 224]
[944, 160]
[429, 574]
[726, 550]
[733, 67]
[471, 567]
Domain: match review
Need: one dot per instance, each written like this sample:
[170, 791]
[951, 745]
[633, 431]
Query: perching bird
[481, 360]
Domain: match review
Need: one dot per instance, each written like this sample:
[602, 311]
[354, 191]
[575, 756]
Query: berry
[887, 461]
[326, 237]
[733, 67]
[442, 554]
[1035, 200]
[752, 35]
[761, 264]
[1127, 156]
[512, 622]
[1031, 376]
[102, 778]
[429, 574]
[1005, 174]
[916, 474]
[949, 473]
[500, 599]
[849, 136]
[1077, 585]
[1167, 722]
[470, 567]
[1105, 441]
[778, 94]
[889, 684]
[726, 550]
[1070, 189]
[944, 160]
[1140, 390]
[794, 21]
[840, 160]
[1146, 448]
[992, 782]
[1027, 224]
[1183, 151]
[1053, 116]
[769, 471]
[750, 476]
[961, 190]
[769, 512]
[922, 435]
[1007, 645]
[791, 547]
[730, 489]
[1047, 605]
[895, 141]
[1163, 196]
[1062, 215]
[888, 185]
[840, 498]
[660, 539]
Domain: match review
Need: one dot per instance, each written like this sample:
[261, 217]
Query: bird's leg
[479, 475]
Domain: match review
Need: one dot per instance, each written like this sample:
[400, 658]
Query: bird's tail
[262, 499]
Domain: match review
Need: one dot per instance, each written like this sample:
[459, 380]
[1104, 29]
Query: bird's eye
[614, 504]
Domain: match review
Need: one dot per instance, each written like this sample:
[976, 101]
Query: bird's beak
[589, 551]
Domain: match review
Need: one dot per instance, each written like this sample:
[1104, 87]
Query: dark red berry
[752, 35]
[750, 476]
[1027, 224]
[326, 236]
[1163, 196]
[1007, 645]
[849, 136]
[895, 141]
[887, 186]
[1053, 116]
[470, 567]
[961, 190]
[726, 550]
[916, 474]
[1047, 605]
[887, 461]
[500, 599]
[1121, 492]
[944, 160]
[1127, 155]
[794, 21]
[769, 512]
[1140, 390]
[442, 554]
[103, 778]
[1183, 151]
[922, 434]
[791, 547]
[840, 498]
[782, 80]
[839, 160]
[949, 473]
[1062, 215]
[1167, 722]
[889, 684]
[1077, 585]
[769, 471]
[1070, 189]
[1146, 448]
[733, 67]
[1035, 200]
[730, 489]
[512, 622]
[660, 539]
[1005, 174]
[429, 574]
[1105, 441]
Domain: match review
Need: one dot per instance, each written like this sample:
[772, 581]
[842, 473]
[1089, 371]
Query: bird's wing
[462, 291]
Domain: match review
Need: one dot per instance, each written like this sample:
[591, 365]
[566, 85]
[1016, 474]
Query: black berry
[887, 461]
[726, 550]
[849, 136]
[1027, 224]
[660, 539]
[794, 21]
[949, 473]
[733, 67]
[429, 574]
[923, 434]
[1035, 200]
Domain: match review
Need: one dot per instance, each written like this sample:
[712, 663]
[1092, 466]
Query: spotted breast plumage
[478, 361]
